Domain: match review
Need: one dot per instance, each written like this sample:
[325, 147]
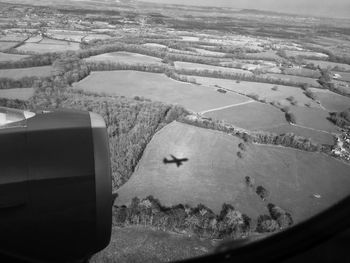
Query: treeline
[287, 140]
[341, 119]
[25, 82]
[199, 220]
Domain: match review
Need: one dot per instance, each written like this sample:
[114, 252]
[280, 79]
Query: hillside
[215, 174]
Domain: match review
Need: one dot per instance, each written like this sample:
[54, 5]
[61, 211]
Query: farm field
[76, 36]
[344, 75]
[304, 72]
[196, 66]
[90, 37]
[263, 90]
[154, 45]
[313, 118]
[332, 101]
[17, 73]
[269, 55]
[124, 57]
[20, 94]
[157, 87]
[328, 64]
[316, 136]
[217, 175]
[295, 79]
[48, 45]
[205, 52]
[11, 57]
[7, 45]
[251, 116]
[294, 53]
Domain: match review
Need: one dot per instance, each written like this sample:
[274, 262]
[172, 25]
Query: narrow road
[225, 107]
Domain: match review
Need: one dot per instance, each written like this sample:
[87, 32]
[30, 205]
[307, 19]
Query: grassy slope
[124, 57]
[44, 71]
[157, 87]
[145, 245]
[251, 116]
[20, 94]
[214, 174]
[11, 57]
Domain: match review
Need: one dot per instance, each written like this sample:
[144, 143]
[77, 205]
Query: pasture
[90, 37]
[296, 53]
[315, 136]
[345, 76]
[196, 66]
[216, 176]
[269, 55]
[252, 116]
[303, 72]
[157, 87]
[18, 73]
[327, 64]
[7, 45]
[263, 90]
[314, 118]
[20, 94]
[155, 45]
[11, 57]
[332, 101]
[205, 52]
[295, 79]
[49, 45]
[125, 58]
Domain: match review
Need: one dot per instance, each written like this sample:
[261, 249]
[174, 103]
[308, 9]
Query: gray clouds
[333, 8]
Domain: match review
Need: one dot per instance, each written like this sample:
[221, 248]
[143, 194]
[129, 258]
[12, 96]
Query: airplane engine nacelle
[55, 185]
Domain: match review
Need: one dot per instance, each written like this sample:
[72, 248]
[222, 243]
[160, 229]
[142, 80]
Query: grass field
[216, 175]
[20, 94]
[205, 52]
[155, 45]
[158, 87]
[344, 75]
[316, 136]
[125, 57]
[295, 79]
[17, 73]
[49, 45]
[6, 45]
[303, 72]
[332, 101]
[251, 116]
[328, 64]
[11, 57]
[139, 244]
[270, 54]
[313, 118]
[295, 53]
[197, 66]
[96, 36]
[263, 90]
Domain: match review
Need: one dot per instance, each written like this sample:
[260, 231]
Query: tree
[262, 192]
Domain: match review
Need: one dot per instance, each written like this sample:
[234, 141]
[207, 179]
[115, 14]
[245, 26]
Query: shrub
[262, 192]
[283, 218]
[266, 224]
[274, 88]
[240, 155]
[249, 181]
[290, 117]
[242, 146]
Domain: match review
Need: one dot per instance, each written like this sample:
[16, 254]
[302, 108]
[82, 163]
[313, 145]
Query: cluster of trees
[25, 82]
[341, 119]
[199, 220]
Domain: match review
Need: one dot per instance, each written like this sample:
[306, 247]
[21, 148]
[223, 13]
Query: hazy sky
[330, 8]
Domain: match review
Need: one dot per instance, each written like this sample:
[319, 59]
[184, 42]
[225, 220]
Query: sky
[328, 8]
